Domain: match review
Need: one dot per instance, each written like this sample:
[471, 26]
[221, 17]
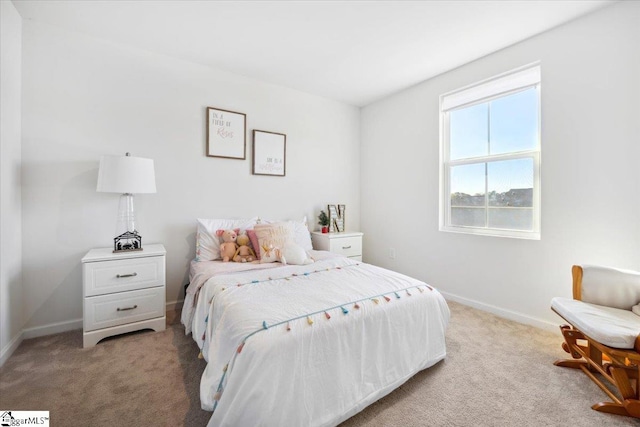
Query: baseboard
[11, 346]
[507, 314]
[51, 328]
[174, 305]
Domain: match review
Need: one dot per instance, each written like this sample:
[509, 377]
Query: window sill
[512, 234]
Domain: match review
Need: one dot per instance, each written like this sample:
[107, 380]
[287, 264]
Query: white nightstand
[122, 292]
[347, 243]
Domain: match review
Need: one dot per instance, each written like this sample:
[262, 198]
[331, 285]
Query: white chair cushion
[610, 326]
[612, 287]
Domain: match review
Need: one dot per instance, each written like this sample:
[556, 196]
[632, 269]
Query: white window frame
[505, 84]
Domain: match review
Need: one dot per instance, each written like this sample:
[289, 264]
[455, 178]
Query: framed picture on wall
[269, 153]
[226, 134]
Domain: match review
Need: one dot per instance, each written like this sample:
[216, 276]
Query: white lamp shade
[126, 174]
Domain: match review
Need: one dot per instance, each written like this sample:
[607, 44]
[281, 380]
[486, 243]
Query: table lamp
[126, 175]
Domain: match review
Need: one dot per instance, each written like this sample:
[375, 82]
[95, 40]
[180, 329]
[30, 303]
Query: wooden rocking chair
[603, 335]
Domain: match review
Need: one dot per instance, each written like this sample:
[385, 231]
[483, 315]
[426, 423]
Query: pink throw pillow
[254, 242]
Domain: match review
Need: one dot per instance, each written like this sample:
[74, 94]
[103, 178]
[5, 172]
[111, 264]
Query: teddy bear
[228, 247]
[244, 253]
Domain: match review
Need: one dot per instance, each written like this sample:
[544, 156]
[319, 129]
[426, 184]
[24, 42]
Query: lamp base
[128, 241]
[116, 251]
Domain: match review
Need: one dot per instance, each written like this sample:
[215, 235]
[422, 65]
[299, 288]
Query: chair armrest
[606, 286]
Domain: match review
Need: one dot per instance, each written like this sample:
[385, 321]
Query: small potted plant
[323, 220]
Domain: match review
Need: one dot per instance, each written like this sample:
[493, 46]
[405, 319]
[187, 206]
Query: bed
[308, 345]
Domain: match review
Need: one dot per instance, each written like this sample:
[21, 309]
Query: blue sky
[500, 126]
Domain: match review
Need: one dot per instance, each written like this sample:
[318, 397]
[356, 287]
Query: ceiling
[352, 51]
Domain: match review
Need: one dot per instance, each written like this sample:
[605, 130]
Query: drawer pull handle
[346, 247]
[127, 308]
[120, 276]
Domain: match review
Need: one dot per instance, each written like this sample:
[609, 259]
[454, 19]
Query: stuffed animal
[244, 252]
[294, 254]
[270, 253]
[228, 247]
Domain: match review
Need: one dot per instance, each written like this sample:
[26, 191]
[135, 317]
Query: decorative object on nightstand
[323, 221]
[348, 244]
[126, 175]
[122, 292]
[336, 218]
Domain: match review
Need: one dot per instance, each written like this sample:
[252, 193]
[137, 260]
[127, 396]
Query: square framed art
[226, 134]
[269, 153]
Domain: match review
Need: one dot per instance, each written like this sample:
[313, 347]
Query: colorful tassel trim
[344, 310]
[288, 327]
[309, 320]
[408, 293]
[356, 306]
[217, 396]
[200, 356]
[204, 337]
[327, 315]
[225, 368]
[397, 295]
[421, 290]
[264, 324]
[376, 300]
[240, 348]
[387, 298]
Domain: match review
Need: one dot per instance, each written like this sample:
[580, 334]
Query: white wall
[11, 319]
[590, 172]
[84, 98]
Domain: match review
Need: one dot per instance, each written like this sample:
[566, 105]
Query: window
[490, 156]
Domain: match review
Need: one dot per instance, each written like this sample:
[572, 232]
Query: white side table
[348, 244]
[122, 292]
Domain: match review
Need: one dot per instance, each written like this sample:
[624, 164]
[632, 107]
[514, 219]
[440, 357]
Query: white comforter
[312, 345]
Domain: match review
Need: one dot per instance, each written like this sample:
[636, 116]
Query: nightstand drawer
[347, 246]
[118, 309]
[107, 277]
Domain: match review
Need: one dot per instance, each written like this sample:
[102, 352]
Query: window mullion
[486, 195]
[486, 169]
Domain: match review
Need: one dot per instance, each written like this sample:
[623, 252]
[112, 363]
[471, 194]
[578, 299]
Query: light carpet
[496, 373]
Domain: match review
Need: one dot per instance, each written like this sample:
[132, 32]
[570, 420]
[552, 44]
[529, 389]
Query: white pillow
[301, 233]
[207, 243]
